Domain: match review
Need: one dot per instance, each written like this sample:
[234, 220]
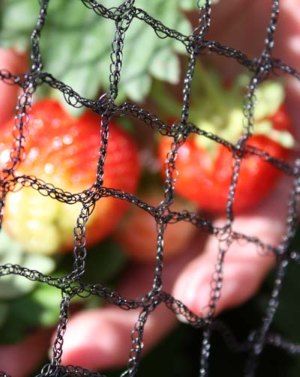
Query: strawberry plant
[204, 166]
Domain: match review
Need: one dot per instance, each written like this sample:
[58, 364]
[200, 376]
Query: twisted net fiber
[196, 44]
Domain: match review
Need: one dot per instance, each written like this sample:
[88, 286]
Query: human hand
[100, 338]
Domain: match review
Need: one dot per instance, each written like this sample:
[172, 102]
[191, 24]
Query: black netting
[196, 44]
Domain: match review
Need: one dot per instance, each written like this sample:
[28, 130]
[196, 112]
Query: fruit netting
[71, 285]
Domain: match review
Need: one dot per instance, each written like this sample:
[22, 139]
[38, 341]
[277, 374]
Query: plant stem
[213, 88]
[167, 104]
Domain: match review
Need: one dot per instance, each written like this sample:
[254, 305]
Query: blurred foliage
[37, 305]
[11, 252]
[76, 48]
[38, 308]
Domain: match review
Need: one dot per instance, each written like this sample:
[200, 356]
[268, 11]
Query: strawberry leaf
[39, 308]
[105, 262]
[4, 309]
[13, 286]
[76, 43]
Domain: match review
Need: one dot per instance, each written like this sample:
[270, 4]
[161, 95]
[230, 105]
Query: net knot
[123, 14]
[264, 66]
[106, 105]
[180, 131]
[195, 44]
[152, 299]
[224, 233]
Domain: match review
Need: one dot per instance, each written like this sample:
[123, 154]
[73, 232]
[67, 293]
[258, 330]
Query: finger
[288, 34]
[232, 21]
[19, 360]
[15, 63]
[244, 268]
[232, 25]
[100, 338]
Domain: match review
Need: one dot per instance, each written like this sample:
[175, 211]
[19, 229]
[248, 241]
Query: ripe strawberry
[205, 167]
[16, 63]
[64, 151]
[137, 232]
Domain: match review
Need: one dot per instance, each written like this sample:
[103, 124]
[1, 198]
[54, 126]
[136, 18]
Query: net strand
[71, 285]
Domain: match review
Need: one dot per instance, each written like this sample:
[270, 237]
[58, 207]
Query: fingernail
[200, 295]
[198, 298]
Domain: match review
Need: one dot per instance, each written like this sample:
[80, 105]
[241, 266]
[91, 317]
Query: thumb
[244, 268]
[100, 338]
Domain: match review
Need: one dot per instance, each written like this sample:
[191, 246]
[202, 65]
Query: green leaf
[138, 87]
[165, 66]
[11, 12]
[47, 299]
[13, 286]
[76, 43]
[4, 308]
[40, 308]
[104, 262]
[190, 4]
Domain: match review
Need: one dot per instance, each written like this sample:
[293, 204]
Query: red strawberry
[205, 167]
[64, 151]
[137, 232]
[16, 63]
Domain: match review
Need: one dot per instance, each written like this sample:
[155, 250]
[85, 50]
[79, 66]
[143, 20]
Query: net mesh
[196, 44]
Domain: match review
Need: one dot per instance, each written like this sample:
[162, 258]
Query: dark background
[178, 354]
